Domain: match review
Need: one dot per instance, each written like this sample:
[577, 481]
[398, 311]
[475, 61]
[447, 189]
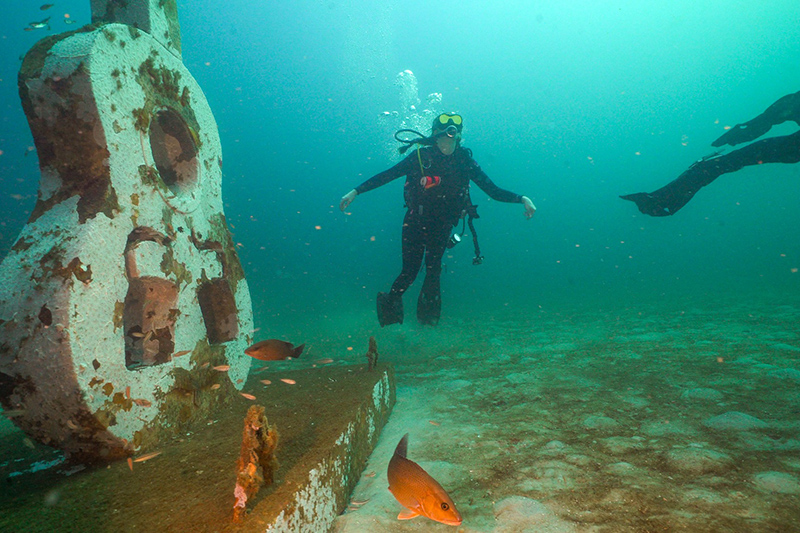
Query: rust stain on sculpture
[106, 284]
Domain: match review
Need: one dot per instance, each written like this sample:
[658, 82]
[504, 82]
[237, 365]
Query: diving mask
[445, 120]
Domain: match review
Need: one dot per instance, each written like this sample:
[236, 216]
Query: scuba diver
[436, 193]
[672, 197]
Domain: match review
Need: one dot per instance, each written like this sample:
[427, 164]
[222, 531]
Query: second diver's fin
[390, 309]
[648, 204]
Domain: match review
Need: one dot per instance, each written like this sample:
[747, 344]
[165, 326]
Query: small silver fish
[41, 24]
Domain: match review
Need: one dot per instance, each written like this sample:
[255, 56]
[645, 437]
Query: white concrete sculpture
[124, 290]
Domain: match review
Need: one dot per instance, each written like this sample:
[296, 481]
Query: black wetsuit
[783, 149]
[432, 212]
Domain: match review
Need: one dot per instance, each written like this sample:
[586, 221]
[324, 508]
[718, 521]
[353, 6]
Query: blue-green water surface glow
[570, 105]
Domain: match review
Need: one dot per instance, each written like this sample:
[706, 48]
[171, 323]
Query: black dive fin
[648, 204]
[390, 309]
[428, 309]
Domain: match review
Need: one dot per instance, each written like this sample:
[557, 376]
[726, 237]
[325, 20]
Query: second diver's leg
[784, 109]
[672, 197]
[429, 303]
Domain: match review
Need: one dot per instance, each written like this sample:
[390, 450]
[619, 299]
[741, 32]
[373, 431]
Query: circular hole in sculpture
[174, 151]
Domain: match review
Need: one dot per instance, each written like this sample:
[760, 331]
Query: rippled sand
[646, 419]
[654, 418]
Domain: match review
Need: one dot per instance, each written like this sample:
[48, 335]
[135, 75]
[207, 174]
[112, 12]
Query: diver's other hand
[347, 199]
[530, 209]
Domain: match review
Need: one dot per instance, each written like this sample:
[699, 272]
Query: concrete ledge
[316, 490]
[329, 422]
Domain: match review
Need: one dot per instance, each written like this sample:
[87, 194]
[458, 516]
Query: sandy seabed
[648, 419]
[679, 417]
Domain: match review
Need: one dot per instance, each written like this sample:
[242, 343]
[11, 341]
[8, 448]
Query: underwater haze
[570, 103]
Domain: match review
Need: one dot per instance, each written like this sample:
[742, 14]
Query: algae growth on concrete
[679, 417]
[328, 420]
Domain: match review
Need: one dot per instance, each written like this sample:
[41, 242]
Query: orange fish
[417, 491]
[274, 350]
[146, 457]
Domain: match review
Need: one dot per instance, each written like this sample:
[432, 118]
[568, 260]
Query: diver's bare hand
[530, 209]
[347, 199]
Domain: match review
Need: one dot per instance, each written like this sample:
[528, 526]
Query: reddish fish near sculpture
[146, 457]
[274, 350]
[417, 491]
